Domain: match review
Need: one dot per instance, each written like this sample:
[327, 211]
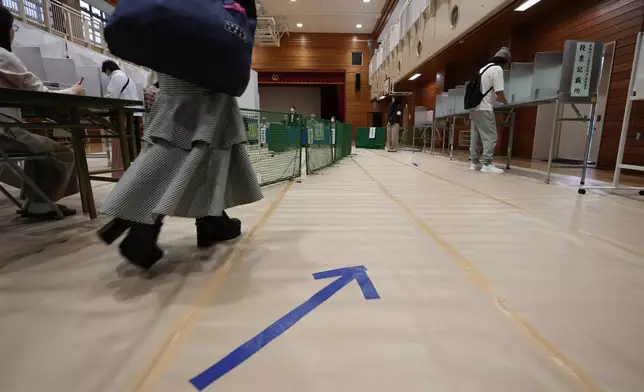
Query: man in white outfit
[122, 86]
[483, 122]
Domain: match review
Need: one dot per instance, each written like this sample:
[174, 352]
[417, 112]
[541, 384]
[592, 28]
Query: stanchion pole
[552, 140]
[589, 140]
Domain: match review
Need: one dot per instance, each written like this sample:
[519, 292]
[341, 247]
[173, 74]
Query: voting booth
[567, 81]
[635, 93]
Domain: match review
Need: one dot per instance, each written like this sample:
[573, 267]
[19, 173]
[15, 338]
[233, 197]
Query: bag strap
[481, 75]
[124, 86]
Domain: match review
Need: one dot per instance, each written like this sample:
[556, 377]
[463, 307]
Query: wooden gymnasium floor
[471, 282]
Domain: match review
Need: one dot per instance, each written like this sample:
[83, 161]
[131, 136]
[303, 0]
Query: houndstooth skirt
[194, 163]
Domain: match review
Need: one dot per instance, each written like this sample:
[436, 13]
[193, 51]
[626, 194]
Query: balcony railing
[72, 25]
[61, 20]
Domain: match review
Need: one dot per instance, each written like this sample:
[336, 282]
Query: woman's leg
[395, 134]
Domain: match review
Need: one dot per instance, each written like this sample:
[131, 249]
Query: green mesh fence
[319, 150]
[273, 146]
[343, 139]
[276, 141]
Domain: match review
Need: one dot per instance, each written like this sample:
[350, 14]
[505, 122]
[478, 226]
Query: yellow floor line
[583, 379]
[548, 222]
[204, 297]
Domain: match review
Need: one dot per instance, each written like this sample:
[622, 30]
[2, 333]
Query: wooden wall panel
[324, 52]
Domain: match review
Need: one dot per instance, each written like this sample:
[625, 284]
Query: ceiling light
[292, 1]
[359, 26]
[415, 76]
[381, 97]
[527, 4]
[366, 1]
[299, 25]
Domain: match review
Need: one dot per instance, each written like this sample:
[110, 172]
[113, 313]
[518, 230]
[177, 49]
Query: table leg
[122, 131]
[451, 139]
[589, 142]
[555, 128]
[131, 130]
[510, 142]
[84, 183]
[431, 142]
[443, 140]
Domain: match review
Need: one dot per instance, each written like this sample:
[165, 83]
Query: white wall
[250, 98]
[435, 33]
[280, 98]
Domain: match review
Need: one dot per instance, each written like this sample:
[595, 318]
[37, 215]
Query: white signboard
[580, 86]
[333, 135]
[372, 133]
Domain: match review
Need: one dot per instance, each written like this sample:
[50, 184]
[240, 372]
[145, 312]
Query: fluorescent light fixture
[527, 4]
[366, 1]
[292, 1]
[299, 25]
[381, 97]
[359, 26]
[415, 76]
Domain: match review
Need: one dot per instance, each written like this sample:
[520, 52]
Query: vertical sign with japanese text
[372, 133]
[581, 73]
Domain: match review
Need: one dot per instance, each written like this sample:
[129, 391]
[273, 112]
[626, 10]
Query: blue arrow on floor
[251, 347]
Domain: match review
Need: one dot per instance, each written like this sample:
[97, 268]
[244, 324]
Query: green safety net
[319, 147]
[276, 142]
[273, 146]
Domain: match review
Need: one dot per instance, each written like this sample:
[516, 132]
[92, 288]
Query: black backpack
[473, 91]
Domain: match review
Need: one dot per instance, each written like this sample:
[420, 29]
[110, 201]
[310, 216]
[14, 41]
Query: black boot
[140, 246]
[213, 229]
[113, 230]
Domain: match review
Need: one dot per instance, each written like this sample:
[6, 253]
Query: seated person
[54, 175]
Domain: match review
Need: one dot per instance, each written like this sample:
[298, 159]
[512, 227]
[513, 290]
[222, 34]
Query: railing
[59, 19]
[69, 23]
[409, 15]
[269, 31]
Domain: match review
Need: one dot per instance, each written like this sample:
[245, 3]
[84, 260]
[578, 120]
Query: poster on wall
[582, 71]
[372, 133]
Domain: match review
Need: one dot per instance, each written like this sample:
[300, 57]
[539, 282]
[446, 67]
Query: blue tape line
[252, 346]
[339, 272]
[367, 287]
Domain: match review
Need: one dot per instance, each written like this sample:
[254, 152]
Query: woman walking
[194, 165]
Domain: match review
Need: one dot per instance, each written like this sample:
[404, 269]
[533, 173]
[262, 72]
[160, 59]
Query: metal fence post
[46, 15]
[68, 19]
[86, 32]
[21, 10]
